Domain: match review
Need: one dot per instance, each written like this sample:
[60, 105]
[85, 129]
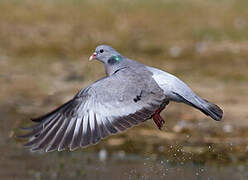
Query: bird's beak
[93, 56]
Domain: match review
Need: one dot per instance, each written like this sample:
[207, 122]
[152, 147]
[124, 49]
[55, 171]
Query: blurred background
[44, 51]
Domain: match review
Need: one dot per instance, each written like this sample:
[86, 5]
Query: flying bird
[128, 95]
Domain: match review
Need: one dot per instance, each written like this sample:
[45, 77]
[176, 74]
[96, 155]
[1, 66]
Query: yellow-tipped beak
[92, 56]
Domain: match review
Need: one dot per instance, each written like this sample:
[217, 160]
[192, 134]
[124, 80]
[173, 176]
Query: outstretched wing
[108, 106]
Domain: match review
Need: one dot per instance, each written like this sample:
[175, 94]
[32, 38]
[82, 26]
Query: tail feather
[204, 106]
[211, 110]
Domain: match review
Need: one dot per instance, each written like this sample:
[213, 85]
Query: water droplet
[103, 155]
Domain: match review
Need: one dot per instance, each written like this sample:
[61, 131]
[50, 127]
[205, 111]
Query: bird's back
[127, 83]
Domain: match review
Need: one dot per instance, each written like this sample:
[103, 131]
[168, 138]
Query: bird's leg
[158, 119]
[156, 116]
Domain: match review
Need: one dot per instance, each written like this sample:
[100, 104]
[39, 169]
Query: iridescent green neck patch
[114, 59]
[117, 58]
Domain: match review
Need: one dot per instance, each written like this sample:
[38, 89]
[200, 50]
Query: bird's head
[106, 54]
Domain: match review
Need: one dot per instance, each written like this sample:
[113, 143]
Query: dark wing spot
[137, 98]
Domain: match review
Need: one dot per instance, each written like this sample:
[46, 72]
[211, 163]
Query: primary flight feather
[130, 94]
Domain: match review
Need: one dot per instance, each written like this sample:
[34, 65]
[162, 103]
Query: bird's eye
[101, 50]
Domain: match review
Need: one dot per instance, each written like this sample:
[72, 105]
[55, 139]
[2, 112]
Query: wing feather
[86, 140]
[103, 129]
[48, 136]
[42, 133]
[58, 137]
[123, 123]
[96, 133]
[68, 135]
[116, 124]
[109, 126]
[77, 133]
[106, 107]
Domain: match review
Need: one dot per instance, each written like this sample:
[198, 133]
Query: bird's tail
[204, 106]
[178, 91]
[209, 109]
